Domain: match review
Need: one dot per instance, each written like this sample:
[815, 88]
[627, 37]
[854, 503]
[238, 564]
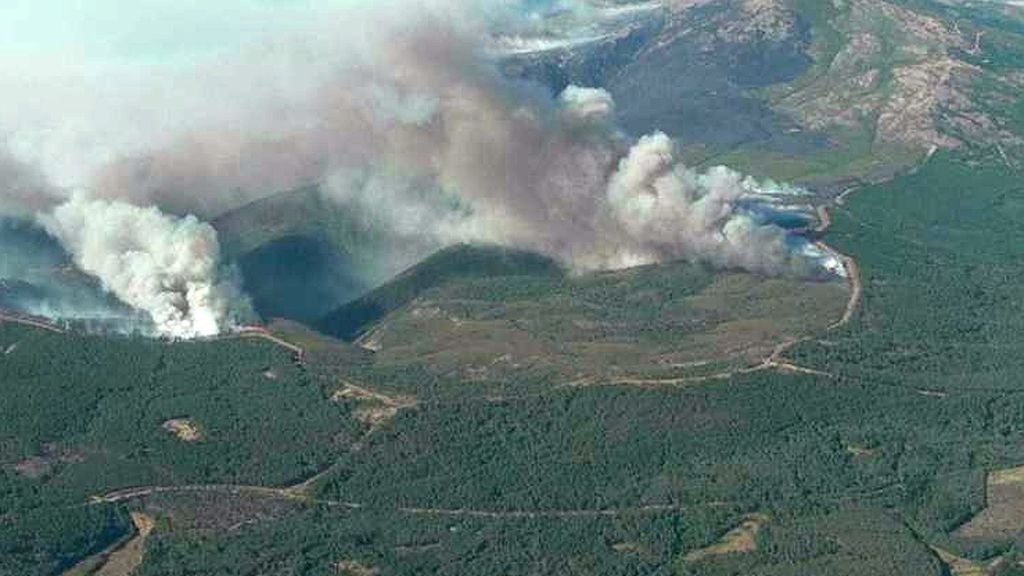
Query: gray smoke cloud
[550, 174]
[401, 112]
[164, 266]
[23, 190]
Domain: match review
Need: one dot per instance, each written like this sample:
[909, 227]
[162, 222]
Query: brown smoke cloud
[424, 124]
[402, 115]
[24, 191]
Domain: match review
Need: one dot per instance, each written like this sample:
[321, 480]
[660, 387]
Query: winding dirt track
[15, 318]
[853, 277]
[298, 494]
[531, 514]
[775, 361]
[258, 332]
[289, 493]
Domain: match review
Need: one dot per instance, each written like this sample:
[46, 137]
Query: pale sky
[149, 29]
[84, 82]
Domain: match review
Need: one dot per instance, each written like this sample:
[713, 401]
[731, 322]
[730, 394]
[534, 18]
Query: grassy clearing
[1003, 515]
[523, 332]
[126, 559]
[739, 540]
[184, 429]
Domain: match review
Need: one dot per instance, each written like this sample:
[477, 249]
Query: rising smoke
[406, 120]
[553, 175]
[167, 267]
[23, 190]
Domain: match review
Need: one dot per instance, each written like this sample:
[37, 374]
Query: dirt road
[15, 318]
[853, 277]
[531, 514]
[289, 493]
[294, 493]
[260, 333]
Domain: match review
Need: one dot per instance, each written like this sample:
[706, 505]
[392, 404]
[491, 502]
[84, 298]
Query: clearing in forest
[959, 566]
[1004, 511]
[374, 408]
[124, 560]
[354, 568]
[183, 428]
[742, 538]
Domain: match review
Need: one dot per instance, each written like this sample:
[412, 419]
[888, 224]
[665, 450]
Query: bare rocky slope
[821, 92]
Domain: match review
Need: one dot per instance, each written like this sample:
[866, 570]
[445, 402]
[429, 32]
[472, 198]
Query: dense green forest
[858, 470]
[84, 415]
[488, 413]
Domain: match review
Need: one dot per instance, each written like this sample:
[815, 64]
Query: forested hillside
[488, 411]
[859, 468]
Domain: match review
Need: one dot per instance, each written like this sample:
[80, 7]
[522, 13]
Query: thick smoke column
[416, 129]
[165, 266]
[670, 211]
[401, 113]
[553, 175]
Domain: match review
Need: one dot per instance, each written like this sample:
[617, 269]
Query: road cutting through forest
[15, 318]
[299, 493]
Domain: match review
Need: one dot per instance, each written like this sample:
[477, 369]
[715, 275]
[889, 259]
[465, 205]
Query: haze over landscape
[511, 286]
[410, 112]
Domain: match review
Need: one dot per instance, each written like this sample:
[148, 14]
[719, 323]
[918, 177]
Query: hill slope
[455, 263]
[299, 255]
[815, 91]
[499, 319]
[663, 420]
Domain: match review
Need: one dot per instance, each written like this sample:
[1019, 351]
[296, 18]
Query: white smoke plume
[550, 174]
[669, 211]
[401, 112]
[165, 266]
